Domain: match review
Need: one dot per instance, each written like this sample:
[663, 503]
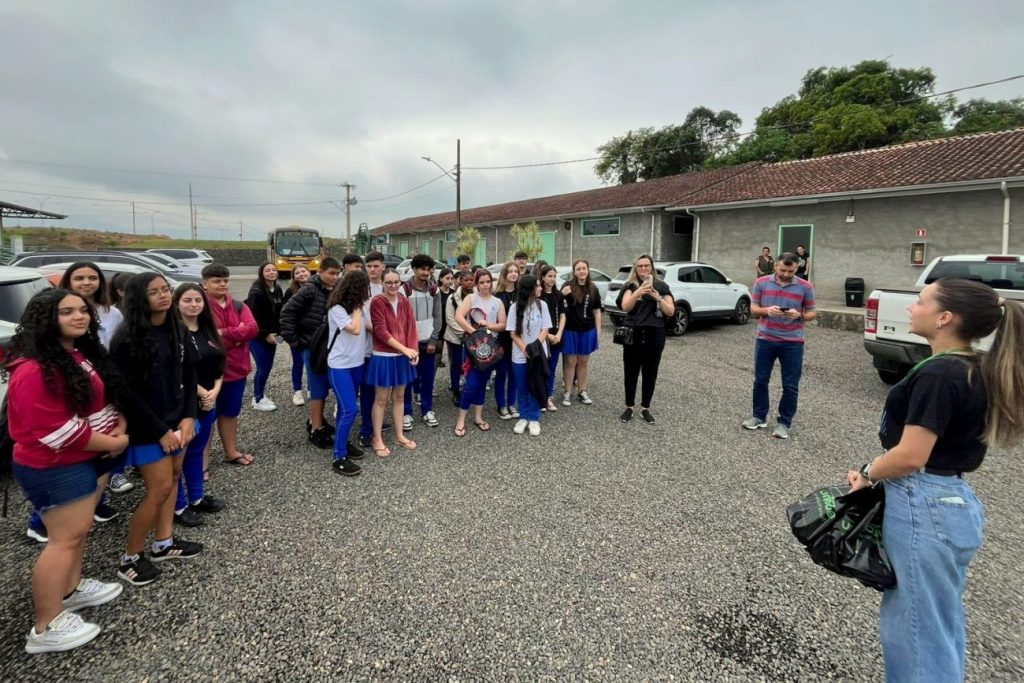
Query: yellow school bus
[294, 246]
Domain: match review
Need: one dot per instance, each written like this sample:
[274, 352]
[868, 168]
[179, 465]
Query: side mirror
[270, 240]
[728, 281]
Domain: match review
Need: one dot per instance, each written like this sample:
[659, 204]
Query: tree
[527, 239]
[468, 238]
[978, 116]
[846, 109]
[647, 153]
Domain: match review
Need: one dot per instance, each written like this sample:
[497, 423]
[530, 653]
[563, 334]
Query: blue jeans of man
[791, 363]
[263, 353]
[454, 365]
[426, 370]
[933, 527]
[529, 409]
[345, 382]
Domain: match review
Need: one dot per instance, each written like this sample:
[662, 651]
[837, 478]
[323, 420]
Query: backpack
[319, 349]
[407, 288]
[482, 347]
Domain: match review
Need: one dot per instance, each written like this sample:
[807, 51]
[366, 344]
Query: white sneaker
[520, 427]
[585, 399]
[551, 405]
[92, 593]
[567, 399]
[407, 423]
[430, 419]
[534, 428]
[298, 399]
[66, 632]
[264, 405]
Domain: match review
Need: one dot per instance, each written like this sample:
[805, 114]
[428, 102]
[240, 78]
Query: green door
[403, 249]
[548, 252]
[481, 252]
[440, 250]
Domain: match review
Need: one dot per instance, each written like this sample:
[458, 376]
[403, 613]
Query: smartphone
[648, 279]
[785, 310]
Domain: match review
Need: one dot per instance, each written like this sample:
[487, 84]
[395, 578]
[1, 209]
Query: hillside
[44, 238]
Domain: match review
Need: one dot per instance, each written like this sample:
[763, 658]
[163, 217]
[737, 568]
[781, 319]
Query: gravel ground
[596, 551]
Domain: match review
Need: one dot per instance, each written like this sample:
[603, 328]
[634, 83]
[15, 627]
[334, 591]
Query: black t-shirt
[646, 311]
[579, 315]
[505, 338]
[556, 307]
[206, 357]
[940, 398]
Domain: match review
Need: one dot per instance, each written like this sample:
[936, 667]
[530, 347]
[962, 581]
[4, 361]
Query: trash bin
[855, 292]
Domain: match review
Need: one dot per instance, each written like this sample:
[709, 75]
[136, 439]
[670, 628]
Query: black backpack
[320, 349]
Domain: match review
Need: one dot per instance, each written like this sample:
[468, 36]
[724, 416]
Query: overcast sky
[316, 93]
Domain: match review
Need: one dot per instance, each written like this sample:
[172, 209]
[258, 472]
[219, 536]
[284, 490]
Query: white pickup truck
[887, 335]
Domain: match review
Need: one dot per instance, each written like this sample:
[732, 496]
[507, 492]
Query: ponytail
[1003, 371]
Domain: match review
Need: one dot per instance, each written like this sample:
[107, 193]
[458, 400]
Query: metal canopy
[17, 211]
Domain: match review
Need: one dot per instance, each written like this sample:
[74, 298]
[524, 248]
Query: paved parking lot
[596, 551]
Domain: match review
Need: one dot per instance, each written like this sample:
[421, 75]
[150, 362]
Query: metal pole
[458, 184]
[191, 213]
[239, 231]
[348, 212]
[133, 218]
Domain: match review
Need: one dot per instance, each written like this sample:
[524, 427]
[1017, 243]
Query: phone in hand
[648, 279]
[785, 310]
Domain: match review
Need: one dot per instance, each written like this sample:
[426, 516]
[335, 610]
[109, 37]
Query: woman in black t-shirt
[582, 323]
[555, 301]
[648, 302]
[936, 426]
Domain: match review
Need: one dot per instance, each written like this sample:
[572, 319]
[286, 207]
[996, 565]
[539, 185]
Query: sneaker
[551, 405]
[104, 513]
[365, 442]
[66, 632]
[309, 427]
[298, 399]
[264, 405]
[354, 452]
[754, 423]
[430, 419]
[584, 398]
[567, 399]
[646, 415]
[504, 413]
[534, 428]
[321, 438]
[207, 505]
[38, 533]
[120, 483]
[346, 468]
[781, 432]
[140, 572]
[189, 518]
[178, 550]
[627, 415]
[514, 413]
[520, 427]
[407, 423]
[92, 593]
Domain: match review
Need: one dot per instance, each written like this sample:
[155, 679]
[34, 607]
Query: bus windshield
[297, 244]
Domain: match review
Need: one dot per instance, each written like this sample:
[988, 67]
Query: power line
[172, 174]
[381, 199]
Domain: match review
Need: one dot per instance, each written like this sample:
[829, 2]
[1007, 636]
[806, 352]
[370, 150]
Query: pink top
[387, 324]
[236, 331]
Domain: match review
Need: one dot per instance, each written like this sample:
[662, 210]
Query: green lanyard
[927, 360]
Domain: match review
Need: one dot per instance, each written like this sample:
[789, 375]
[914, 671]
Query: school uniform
[504, 378]
[345, 372]
[388, 368]
[366, 391]
[208, 361]
[475, 393]
[555, 302]
[536, 319]
[429, 316]
[580, 338]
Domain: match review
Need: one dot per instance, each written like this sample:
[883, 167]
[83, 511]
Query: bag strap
[333, 339]
[237, 305]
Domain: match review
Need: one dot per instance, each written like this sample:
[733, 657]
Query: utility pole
[191, 212]
[133, 218]
[458, 184]
[350, 201]
[239, 231]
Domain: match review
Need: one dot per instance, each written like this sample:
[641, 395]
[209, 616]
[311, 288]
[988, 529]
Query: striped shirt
[798, 294]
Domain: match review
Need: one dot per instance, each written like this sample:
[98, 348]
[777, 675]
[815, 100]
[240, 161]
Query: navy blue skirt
[579, 343]
[389, 371]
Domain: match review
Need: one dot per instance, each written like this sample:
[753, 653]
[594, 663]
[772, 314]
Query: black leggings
[643, 355]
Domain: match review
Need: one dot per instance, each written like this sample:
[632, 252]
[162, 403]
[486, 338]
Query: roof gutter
[1006, 217]
[937, 188]
[552, 217]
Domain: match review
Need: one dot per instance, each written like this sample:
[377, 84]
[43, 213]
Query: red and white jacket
[46, 432]
[388, 323]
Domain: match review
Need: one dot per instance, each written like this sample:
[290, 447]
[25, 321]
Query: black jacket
[266, 309]
[304, 312]
[537, 371]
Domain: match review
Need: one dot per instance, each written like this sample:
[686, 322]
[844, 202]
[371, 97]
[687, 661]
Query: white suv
[188, 257]
[699, 290]
[17, 286]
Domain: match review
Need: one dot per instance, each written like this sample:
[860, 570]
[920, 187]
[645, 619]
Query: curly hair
[38, 338]
[102, 295]
[352, 291]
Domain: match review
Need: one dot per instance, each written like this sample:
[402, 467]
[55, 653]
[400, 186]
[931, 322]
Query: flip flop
[460, 432]
[407, 444]
[483, 426]
[382, 452]
[244, 460]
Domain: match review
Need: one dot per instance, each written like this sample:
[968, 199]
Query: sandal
[483, 426]
[407, 444]
[243, 460]
[383, 451]
[460, 431]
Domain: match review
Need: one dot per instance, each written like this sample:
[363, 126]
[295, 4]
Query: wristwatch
[865, 471]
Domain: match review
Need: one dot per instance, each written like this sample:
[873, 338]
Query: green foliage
[977, 116]
[468, 238]
[527, 239]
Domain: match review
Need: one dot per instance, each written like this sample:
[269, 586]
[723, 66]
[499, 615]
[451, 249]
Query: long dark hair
[137, 328]
[102, 295]
[38, 338]
[351, 292]
[117, 283]
[525, 297]
[205, 318]
[544, 273]
[260, 282]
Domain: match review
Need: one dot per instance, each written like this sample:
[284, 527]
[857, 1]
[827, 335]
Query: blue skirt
[579, 343]
[389, 371]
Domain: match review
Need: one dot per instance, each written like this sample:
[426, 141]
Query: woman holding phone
[647, 301]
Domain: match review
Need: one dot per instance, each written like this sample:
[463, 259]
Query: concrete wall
[876, 247]
[238, 257]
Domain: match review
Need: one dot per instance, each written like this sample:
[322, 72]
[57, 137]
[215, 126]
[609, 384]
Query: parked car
[887, 337]
[602, 280]
[42, 258]
[175, 264]
[392, 260]
[54, 271]
[405, 269]
[190, 257]
[17, 286]
[700, 292]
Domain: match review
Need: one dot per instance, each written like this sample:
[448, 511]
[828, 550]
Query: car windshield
[15, 295]
[297, 244]
[995, 274]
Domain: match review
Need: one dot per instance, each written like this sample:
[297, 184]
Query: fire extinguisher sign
[921, 232]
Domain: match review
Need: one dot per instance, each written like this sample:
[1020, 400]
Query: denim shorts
[229, 400]
[55, 486]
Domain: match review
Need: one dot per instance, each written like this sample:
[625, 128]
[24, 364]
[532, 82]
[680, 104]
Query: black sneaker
[188, 517]
[178, 550]
[104, 513]
[627, 415]
[208, 504]
[646, 415]
[321, 438]
[366, 441]
[138, 573]
[354, 452]
[330, 428]
[309, 427]
[346, 467]
[457, 399]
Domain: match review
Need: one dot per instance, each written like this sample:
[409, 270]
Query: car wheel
[891, 376]
[680, 321]
[741, 315]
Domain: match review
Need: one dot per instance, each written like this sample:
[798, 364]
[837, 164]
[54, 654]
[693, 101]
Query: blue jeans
[475, 393]
[556, 352]
[454, 365]
[426, 370]
[191, 483]
[345, 382]
[529, 409]
[791, 362]
[931, 530]
[263, 354]
[505, 382]
[297, 368]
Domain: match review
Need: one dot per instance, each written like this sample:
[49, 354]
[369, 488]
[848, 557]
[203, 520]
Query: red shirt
[46, 432]
[236, 331]
[387, 323]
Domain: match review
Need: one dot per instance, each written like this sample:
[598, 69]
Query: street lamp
[458, 181]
